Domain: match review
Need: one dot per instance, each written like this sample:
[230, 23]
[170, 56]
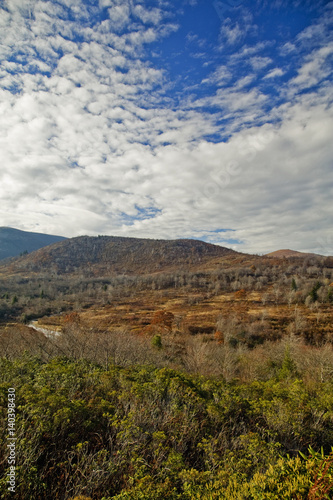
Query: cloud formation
[98, 137]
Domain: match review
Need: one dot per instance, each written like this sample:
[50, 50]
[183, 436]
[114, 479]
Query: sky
[205, 119]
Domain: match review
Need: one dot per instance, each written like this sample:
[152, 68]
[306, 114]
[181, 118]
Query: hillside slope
[13, 242]
[120, 255]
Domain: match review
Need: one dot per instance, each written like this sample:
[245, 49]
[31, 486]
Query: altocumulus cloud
[101, 132]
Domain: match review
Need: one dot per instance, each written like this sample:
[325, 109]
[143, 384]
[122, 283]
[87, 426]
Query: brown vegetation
[249, 300]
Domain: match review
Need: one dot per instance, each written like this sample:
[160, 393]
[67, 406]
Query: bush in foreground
[149, 433]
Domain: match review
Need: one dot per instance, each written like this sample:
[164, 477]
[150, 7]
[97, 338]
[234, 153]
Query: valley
[180, 291]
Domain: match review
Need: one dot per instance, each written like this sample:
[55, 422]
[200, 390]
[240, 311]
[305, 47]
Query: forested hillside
[115, 255]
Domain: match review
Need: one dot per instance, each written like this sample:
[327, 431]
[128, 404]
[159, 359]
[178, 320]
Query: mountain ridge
[14, 242]
[120, 255]
[98, 255]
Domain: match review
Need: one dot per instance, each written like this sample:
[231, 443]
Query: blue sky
[192, 119]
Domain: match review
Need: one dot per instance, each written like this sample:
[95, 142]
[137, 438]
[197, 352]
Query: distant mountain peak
[14, 242]
[287, 254]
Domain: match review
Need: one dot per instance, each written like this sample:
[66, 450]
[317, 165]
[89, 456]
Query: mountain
[101, 255]
[287, 254]
[14, 242]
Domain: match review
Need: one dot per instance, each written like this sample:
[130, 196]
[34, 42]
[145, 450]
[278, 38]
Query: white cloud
[287, 49]
[90, 141]
[221, 76]
[274, 73]
[153, 15]
[251, 183]
[119, 16]
[247, 51]
[232, 34]
[258, 179]
[245, 81]
[315, 69]
[258, 63]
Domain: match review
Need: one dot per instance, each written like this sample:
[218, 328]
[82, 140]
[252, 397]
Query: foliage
[314, 291]
[157, 341]
[150, 433]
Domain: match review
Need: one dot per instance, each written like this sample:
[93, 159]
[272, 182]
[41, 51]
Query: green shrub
[142, 432]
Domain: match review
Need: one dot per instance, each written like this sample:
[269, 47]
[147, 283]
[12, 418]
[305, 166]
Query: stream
[46, 331]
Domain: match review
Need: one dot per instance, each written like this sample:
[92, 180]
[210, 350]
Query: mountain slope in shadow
[14, 242]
